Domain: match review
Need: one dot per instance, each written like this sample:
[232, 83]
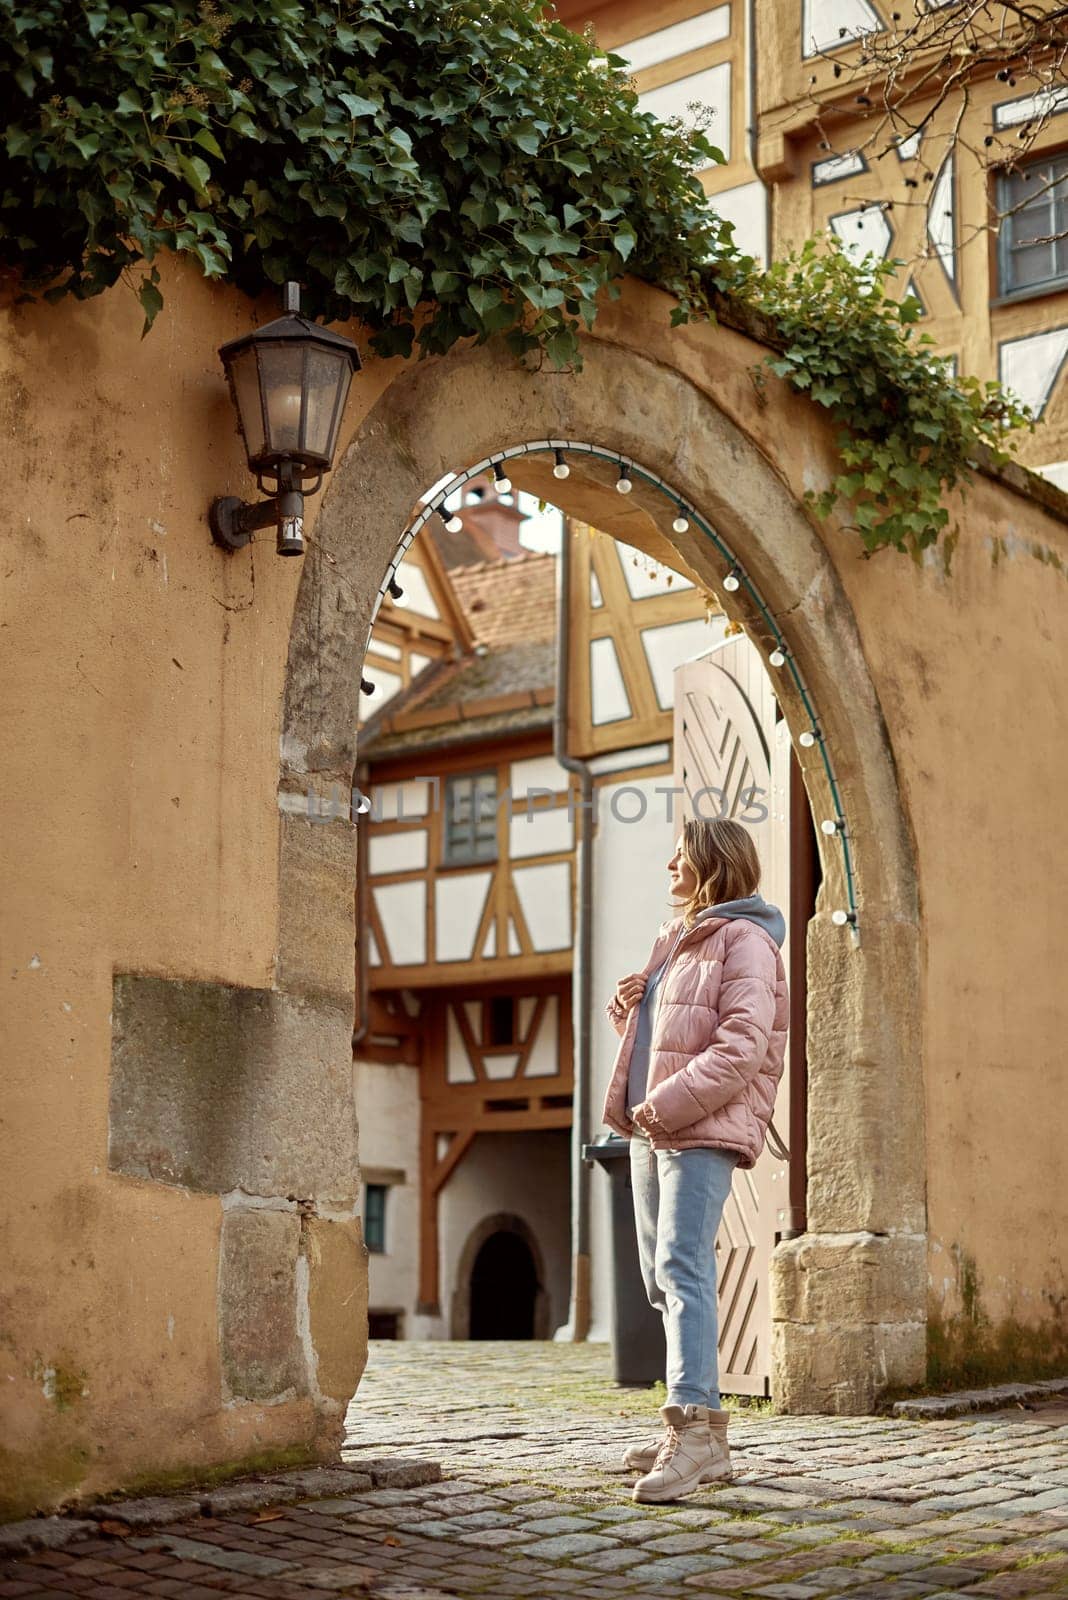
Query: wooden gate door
[732, 759]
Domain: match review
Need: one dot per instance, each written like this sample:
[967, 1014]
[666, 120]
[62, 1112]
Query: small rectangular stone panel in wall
[217, 1088]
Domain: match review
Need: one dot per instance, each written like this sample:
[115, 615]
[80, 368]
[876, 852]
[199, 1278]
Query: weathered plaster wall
[143, 672]
[144, 680]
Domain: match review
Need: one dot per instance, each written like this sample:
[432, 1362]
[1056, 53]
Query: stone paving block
[567, 1544]
[685, 1544]
[243, 1561]
[42, 1533]
[611, 1561]
[669, 1569]
[547, 1526]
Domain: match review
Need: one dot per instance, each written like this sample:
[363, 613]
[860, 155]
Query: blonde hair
[724, 858]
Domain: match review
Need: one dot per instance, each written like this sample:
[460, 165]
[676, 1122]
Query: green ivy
[908, 429]
[440, 170]
[443, 171]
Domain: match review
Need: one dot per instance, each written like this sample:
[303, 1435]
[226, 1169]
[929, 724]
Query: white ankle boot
[694, 1450]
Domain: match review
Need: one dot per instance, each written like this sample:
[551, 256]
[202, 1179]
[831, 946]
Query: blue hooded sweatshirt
[753, 908]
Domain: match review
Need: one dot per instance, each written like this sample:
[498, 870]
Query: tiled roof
[509, 601]
[515, 683]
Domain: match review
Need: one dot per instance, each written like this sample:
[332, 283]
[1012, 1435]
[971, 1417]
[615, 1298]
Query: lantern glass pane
[328, 382]
[282, 370]
[245, 377]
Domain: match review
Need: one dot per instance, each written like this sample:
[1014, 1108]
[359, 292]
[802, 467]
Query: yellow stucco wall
[144, 671]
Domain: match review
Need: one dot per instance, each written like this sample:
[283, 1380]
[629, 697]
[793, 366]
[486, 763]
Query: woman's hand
[629, 990]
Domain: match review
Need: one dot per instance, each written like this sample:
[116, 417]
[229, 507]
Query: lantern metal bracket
[234, 521]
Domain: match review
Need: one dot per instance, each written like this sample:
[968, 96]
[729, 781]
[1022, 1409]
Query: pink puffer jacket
[718, 1039]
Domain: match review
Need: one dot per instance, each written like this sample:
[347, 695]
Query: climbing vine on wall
[443, 171]
[908, 428]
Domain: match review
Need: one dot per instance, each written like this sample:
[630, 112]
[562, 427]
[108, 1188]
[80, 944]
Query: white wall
[630, 901]
[387, 1104]
[524, 1174]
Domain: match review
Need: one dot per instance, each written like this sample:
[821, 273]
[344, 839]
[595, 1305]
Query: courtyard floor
[531, 1503]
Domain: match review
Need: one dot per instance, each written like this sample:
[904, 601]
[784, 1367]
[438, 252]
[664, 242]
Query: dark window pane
[374, 1217]
[471, 817]
[500, 1019]
[1034, 207]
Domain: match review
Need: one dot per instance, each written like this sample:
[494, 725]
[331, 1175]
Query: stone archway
[501, 1222]
[848, 1297]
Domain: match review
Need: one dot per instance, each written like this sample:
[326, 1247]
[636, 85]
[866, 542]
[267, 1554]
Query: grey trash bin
[639, 1356]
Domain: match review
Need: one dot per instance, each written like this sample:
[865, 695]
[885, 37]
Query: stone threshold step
[967, 1400]
[242, 1494]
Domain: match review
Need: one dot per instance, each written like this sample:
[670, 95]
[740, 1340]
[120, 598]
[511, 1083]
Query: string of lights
[686, 515]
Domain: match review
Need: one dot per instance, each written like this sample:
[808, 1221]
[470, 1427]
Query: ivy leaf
[196, 173]
[484, 297]
[151, 302]
[623, 241]
[207, 141]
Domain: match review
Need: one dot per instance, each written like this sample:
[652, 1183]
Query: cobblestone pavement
[531, 1503]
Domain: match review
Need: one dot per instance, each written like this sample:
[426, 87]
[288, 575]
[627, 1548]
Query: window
[1033, 243]
[500, 1019]
[471, 817]
[374, 1217]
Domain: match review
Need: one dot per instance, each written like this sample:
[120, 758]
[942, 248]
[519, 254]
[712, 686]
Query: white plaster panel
[607, 689]
[908, 149]
[711, 88]
[402, 911]
[941, 224]
[526, 1011]
[459, 900]
[458, 1068]
[489, 945]
[499, 1067]
[383, 648]
[638, 576]
[417, 596]
[596, 598]
[1030, 367]
[667, 647]
[387, 1101]
[374, 957]
[540, 832]
[393, 802]
[545, 900]
[863, 233]
[537, 772]
[747, 207]
[387, 684]
[416, 663]
[514, 947]
[397, 852]
[677, 40]
[645, 755]
[1056, 472]
[542, 1061]
[828, 24]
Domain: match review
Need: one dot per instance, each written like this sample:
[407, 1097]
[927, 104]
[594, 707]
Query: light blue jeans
[679, 1197]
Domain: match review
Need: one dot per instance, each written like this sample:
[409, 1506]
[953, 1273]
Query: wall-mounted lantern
[289, 382]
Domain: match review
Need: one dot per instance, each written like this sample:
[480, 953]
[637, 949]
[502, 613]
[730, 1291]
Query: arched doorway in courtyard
[833, 1347]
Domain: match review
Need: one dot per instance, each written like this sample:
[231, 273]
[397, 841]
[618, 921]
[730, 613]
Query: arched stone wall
[499, 1222]
[848, 1297]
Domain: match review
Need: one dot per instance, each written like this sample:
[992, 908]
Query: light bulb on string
[842, 918]
[452, 520]
[681, 523]
[830, 825]
[501, 481]
[808, 738]
[777, 657]
[395, 589]
[561, 469]
[623, 483]
[732, 580]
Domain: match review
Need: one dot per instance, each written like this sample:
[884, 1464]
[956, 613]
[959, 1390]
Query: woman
[703, 1030]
